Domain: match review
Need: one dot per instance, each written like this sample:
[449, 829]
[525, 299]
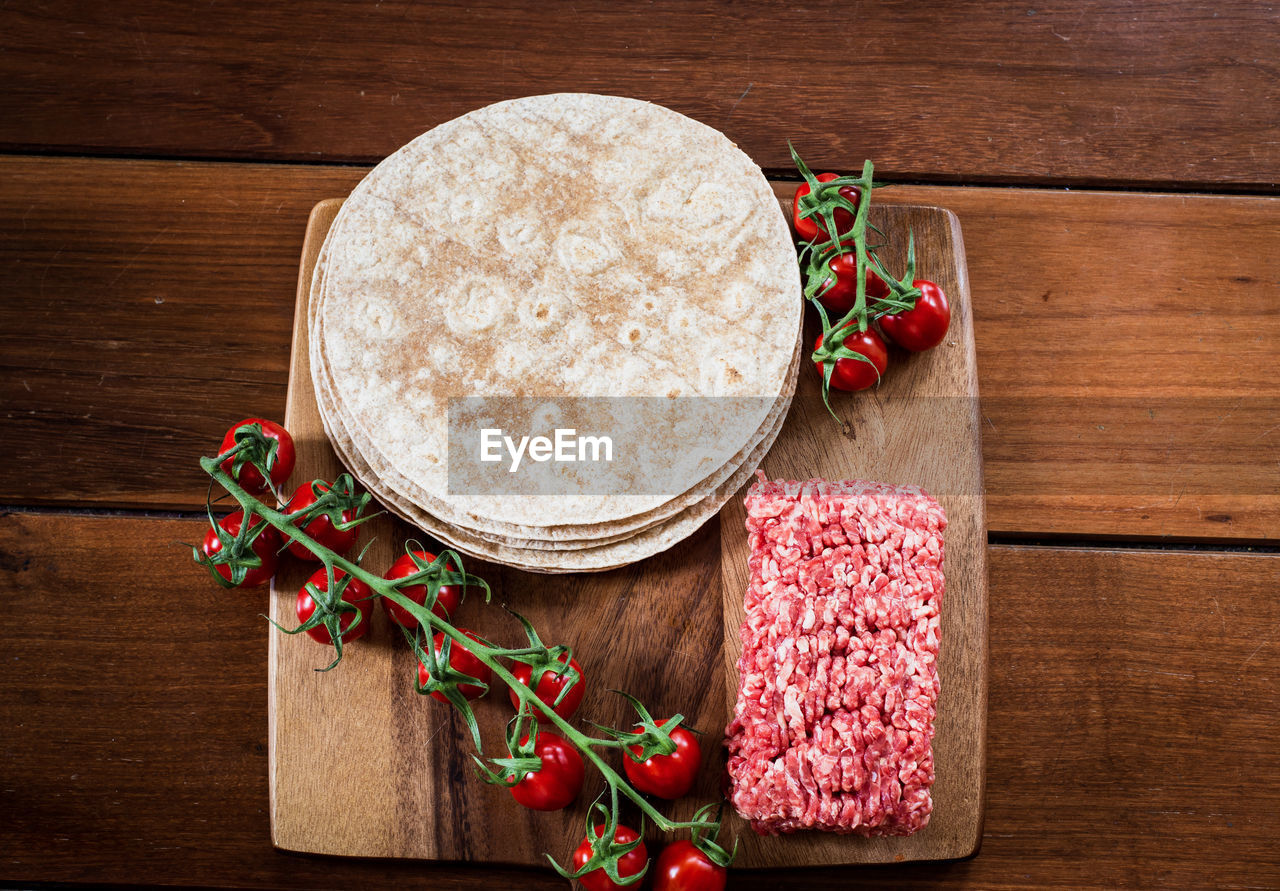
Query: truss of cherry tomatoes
[862, 305]
[546, 760]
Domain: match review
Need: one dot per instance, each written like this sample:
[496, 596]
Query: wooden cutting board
[360, 765]
[920, 426]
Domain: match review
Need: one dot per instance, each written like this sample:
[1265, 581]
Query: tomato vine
[826, 197]
[339, 502]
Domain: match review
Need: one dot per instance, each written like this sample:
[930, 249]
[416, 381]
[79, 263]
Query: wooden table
[1113, 166]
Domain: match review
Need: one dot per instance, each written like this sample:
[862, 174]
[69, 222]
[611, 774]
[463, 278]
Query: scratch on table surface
[1074, 26]
[1218, 609]
[140, 39]
[690, 656]
[439, 729]
[45, 272]
[1265, 433]
[1249, 658]
[1172, 674]
[311, 49]
[1200, 441]
[134, 259]
[740, 98]
[45, 360]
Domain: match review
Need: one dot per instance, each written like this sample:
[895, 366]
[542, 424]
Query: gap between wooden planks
[1132, 700]
[148, 302]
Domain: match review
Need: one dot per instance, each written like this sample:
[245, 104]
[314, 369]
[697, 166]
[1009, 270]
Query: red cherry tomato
[461, 660]
[249, 476]
[923, 327]
[854, 374]
[559, 781]
[629, 864]
[549, 687]
[320, 528]
[266, 546]
[666, 776]
[809, 228]
[682, 867]
[356, 593]
[448, 598]
[843, 293]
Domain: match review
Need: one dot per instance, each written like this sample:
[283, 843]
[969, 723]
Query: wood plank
[920, 427]
[1134, 722]
[1084, 93]
[147, 306]
[88, 372]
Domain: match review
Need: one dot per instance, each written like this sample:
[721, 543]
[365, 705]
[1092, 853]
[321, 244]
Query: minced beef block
[838, 675]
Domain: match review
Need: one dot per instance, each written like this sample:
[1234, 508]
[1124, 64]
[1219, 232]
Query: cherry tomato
[631, 863]
[249, 476]
[447, 599]
[266, 546]
[666, 776]
[854, 374]
[320, 528]
[356, 593]
[682, 867]
[559, 781]
[840, 297]
[809, 228]
[461, 660]
[923, 327]
[549, 687]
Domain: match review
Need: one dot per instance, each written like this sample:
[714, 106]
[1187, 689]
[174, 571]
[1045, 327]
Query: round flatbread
[558, 245]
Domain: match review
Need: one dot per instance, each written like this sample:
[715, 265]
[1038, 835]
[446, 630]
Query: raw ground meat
[838, 688]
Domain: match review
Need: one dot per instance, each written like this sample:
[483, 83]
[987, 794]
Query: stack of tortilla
[569, 245]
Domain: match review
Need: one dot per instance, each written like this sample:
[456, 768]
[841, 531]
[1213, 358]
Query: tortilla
[633, 251]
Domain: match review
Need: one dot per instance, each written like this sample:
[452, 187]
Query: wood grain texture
[1127, 347]
[388, 773]
[920, 427]
[1132, 699]
[1129, 359]
[1085, 304]
[146, 307]
[1082, 93]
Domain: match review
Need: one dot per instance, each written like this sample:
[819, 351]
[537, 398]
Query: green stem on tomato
[815, 257]
[832, 348]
